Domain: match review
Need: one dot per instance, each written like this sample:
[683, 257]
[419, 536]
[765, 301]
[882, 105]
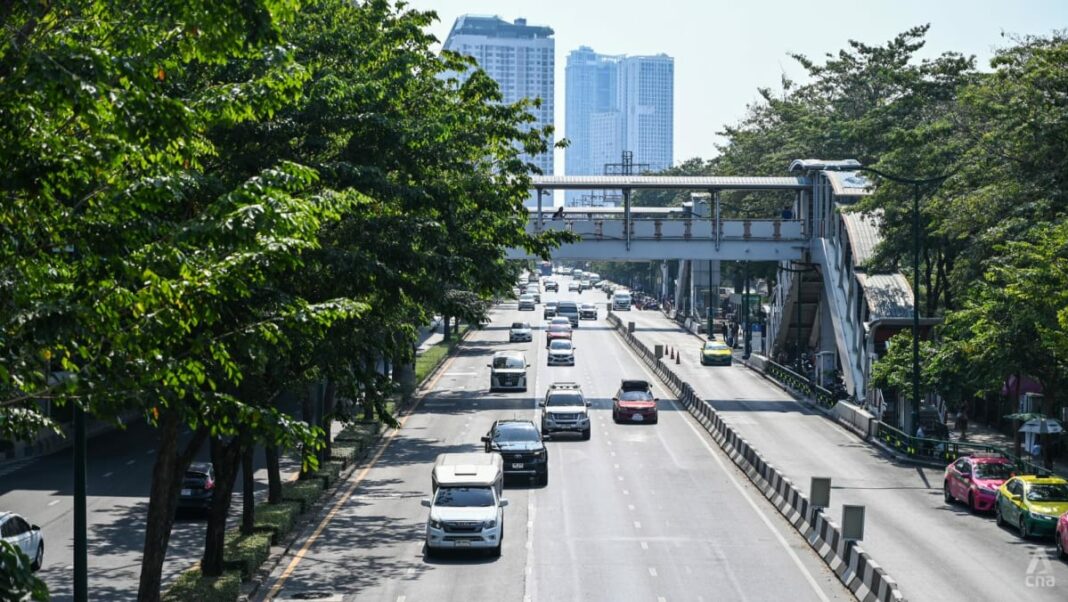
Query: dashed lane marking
[108, 474]
[53, 502]
[645, 545]
[652, 572]
[637, 524]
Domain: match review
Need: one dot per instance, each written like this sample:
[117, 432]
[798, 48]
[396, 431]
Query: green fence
[945, 452]
[800, 384]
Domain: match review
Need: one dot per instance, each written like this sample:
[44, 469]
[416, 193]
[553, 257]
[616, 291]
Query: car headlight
[490, 524]
[539, 454]
[1043, 516]
[435, 523]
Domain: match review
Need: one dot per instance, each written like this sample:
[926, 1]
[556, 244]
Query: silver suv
[565, 409]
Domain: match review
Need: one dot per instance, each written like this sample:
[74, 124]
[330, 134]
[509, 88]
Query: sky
[725, 50]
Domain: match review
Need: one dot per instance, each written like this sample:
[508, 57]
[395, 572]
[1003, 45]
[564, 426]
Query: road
[935, 551]
[639, 512]
[119, 471]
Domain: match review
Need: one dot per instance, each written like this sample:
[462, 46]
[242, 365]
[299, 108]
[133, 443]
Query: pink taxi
[975, 479]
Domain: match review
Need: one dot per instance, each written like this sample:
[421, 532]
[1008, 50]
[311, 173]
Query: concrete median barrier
[854, 567]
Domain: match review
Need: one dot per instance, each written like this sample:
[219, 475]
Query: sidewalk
[985, 435]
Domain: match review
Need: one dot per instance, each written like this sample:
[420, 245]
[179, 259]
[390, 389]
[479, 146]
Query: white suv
[565, 410]
[469, 516]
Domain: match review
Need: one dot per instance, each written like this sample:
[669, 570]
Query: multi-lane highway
[639, 512]
[119, 475]
[935, 551]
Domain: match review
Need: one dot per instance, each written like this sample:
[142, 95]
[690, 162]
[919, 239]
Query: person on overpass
[559, 214]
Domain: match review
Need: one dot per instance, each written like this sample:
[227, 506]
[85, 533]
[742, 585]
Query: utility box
[853, 523]
[630, 327]
[820, 492]
[658, 351]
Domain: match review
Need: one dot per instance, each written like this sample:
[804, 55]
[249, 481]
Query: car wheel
[38, 558]
[656, 419]
[496, 552]
[1024, 533]
[586, 435]
[428, 552]
[615, 417]
[973, 505]
[998, 519]
[946, 495]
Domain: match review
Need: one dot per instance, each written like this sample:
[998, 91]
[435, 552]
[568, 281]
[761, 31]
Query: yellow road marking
[352, 487]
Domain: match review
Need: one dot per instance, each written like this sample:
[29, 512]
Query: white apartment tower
[521, 58]
[617, 103]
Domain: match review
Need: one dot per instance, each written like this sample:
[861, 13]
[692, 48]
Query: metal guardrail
[944, 451]
[800, 384]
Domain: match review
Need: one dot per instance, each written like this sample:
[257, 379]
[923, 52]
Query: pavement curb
[854, 567]
[250, 589]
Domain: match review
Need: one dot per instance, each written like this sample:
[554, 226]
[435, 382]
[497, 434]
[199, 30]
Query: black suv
[519, 443]
[198, 487]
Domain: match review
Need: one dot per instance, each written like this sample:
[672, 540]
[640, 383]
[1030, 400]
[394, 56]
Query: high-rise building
[521, 58]
[616, 103]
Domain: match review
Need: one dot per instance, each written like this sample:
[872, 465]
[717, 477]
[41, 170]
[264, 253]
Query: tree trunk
[248, 488]
[329, 401]
[446, 332]
[167, 473]
[224, 457]
[274, 474]
[1016, 408]
[928, 270]
[307, 410]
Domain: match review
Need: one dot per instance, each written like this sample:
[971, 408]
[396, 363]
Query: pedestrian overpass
[826, 301]
[649, 233]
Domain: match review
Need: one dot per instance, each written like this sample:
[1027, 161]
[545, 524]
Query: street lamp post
[745, 315]
[916, 184]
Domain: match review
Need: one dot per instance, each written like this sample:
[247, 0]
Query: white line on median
[108, 474]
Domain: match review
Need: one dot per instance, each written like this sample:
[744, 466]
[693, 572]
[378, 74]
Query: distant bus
[546, 268]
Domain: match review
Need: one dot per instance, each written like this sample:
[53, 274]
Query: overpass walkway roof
[670, 183]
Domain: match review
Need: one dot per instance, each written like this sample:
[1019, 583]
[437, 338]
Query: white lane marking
[460, 374]
[620, 477]
[131, 462]
[663, 599]
[411, 569]
[616, 466]
[637, 524]
[652, 572]
[737, 485]
[613, 454]
[53, 502]
[625, 492]
[645, 545]
[150, 452]
[630, 506]
[401, 598]
[108, 474]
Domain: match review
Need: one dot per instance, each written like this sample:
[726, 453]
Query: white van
[453, 470]
[466, 510]
[621, 301]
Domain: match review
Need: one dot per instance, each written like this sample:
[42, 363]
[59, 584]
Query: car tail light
[209, 484]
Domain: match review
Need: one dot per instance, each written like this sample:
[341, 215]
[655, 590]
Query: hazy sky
[724, 50]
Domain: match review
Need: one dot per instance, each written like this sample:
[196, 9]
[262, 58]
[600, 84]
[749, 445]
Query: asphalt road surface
[119, 476]
[935, 551]
[639, 512]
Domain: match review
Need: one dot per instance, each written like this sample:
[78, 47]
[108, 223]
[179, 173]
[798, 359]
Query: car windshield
[560, 345]
[550, 304]
[636, 396]
[516, 432]
[710, 346]
[1048, 493]
[564, 399]
[464, 497]
[588, 306]
[509, 362]
[526, 298]
[520, 326]
[992, 470]
[559, 328]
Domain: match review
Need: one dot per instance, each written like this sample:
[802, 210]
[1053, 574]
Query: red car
[557, 331]
[975, 479]
[634, 402]
[1062, 537]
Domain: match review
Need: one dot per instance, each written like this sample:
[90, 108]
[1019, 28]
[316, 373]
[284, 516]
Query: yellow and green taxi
[1032, 504]
[715, 352]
